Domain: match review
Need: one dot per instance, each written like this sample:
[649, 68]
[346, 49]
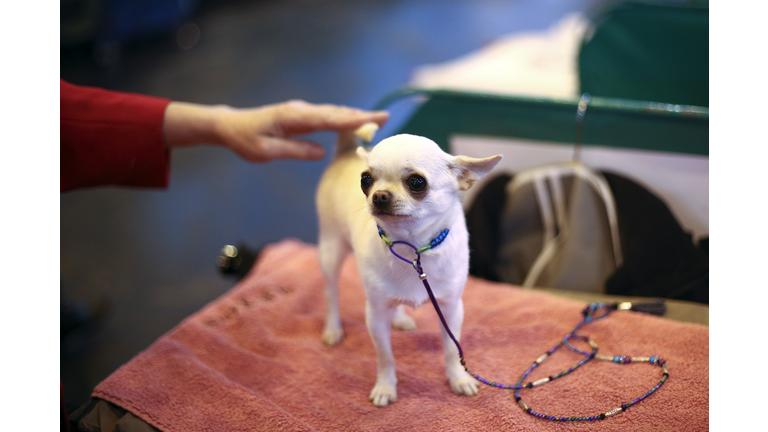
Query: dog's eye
[416, 183]
[366, 181]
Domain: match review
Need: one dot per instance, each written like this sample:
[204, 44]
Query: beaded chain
[593, 312]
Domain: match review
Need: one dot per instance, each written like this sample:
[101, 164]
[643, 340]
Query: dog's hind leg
[403, 321]
[333, 250]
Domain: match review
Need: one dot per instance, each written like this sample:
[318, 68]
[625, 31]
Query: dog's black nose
[382, 198]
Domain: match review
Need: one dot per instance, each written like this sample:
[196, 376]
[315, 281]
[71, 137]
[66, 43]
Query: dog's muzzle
[382, 200]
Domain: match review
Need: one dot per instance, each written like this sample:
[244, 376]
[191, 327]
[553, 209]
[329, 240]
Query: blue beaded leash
[593, 312]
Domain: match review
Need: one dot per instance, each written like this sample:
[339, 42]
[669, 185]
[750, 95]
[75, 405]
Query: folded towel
[253, 360]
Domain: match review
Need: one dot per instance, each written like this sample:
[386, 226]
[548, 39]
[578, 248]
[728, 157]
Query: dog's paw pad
[404, 322]
[466, 386]
[332, 336]
[383, 395]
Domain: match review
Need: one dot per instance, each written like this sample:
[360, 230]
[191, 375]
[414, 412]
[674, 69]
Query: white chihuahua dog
[410, 189]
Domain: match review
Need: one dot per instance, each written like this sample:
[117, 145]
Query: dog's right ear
[363, 152]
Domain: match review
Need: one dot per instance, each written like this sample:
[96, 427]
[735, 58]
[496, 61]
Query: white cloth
[536, 64]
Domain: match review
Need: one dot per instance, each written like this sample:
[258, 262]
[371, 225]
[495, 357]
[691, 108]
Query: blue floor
[149, 255]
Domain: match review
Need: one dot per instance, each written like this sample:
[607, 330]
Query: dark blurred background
[137, 262]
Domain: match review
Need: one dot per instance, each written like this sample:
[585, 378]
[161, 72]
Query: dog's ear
[469, 170]
[363, 152]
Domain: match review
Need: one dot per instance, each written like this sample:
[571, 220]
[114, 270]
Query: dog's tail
[350, 140]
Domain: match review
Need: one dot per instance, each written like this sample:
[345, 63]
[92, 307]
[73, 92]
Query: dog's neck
[423, 230]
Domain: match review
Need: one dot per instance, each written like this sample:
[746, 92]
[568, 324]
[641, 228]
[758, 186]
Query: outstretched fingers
[299, 117]
[281, 148]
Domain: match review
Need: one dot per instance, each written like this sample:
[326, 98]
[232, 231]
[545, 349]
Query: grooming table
[253, 360]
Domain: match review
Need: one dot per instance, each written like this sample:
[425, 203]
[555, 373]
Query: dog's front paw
[464, 386]
[383, 395]
[333, 335]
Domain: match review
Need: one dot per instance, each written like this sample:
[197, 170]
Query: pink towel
[253, 360]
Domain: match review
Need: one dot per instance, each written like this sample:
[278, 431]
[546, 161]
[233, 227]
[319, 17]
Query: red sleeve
[112, 138]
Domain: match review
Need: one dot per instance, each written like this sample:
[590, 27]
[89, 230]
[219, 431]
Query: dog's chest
[396, 282]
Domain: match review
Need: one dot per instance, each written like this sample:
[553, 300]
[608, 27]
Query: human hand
[265, 133]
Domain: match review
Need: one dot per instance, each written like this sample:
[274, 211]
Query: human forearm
[189, 124]
[264, 133]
